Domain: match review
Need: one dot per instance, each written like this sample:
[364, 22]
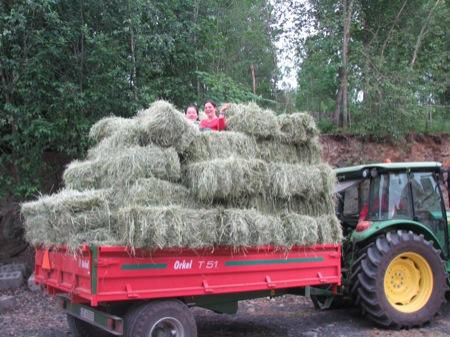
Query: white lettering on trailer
[212, 264]
[87, 314]
[83, 264]
[182, 265]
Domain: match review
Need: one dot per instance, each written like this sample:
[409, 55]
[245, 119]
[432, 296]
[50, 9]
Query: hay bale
[215, 145]
[299, 230]
[312, 205]
[169, 226]
[296, 128]
[226, 179]
[330, 230]
[290, 180]
[156, 192]
[123, 167]
[310, 151]
[96, 236]
[120, 140]
[277, 151]
[107, 146]
[57, 218]
[240, 228]
[235, 180]
[252, 120]
[166, 127]
[127, 131]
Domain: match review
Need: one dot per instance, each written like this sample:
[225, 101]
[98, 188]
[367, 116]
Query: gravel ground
[37, 315]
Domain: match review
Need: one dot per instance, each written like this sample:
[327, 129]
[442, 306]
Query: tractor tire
[160, 318]
[399, 280]
[80, 328]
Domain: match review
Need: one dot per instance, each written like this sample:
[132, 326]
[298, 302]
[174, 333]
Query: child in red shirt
[211, 121]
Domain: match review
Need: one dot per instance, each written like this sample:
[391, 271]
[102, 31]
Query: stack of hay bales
[155, 181]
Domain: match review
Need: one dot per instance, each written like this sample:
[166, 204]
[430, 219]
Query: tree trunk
[81, 70]
[337, 111]
[252, 68]
[196, 10]
[397, 17]
[133, 55]
[341, 112]
[422, 34]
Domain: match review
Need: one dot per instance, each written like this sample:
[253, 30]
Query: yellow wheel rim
[408, 282]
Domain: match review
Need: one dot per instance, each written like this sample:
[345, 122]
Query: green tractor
[396, 260]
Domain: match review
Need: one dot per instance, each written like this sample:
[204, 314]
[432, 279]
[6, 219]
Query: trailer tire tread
[140, 319]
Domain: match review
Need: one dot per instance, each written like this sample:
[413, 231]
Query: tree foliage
[397, 63]
[66, 64]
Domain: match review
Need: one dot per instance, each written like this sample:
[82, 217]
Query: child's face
[191, 114]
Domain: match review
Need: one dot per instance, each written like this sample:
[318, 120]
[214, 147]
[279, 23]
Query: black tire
[413, 272]
[81, 328]
[152, 319]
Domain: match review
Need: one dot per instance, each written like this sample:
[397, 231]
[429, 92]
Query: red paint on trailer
[117, 274]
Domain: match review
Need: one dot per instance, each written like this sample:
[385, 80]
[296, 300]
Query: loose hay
[252, 120]
[123, 168]
[165, 126]
[169, 226]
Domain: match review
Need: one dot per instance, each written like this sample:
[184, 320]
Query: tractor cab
[379, 197]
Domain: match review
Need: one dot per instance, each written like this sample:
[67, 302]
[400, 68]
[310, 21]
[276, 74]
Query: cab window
[390, 197]
[428, 203]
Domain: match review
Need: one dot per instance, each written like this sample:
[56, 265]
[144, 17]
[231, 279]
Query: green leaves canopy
[66, 64]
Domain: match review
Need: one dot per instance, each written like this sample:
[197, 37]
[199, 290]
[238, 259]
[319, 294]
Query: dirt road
[290, 316]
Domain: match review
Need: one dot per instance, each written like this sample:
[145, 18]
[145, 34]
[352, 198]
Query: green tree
[66, 64]
[395, 62]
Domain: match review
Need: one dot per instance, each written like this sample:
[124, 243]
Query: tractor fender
[379, 227]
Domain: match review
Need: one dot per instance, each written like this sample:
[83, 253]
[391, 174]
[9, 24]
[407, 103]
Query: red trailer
[112, 290]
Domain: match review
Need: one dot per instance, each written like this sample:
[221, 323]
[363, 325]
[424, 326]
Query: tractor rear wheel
[400, 282]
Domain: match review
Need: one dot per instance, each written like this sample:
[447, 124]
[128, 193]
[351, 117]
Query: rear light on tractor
[363, 225]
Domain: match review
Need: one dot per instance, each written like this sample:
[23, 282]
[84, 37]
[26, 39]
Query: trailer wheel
[401, 280]
[171, 318]
[80, 328]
